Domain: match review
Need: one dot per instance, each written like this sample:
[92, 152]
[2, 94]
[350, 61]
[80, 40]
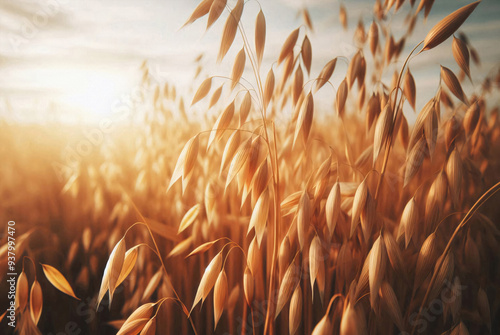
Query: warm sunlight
[273, 167]
[88, 93]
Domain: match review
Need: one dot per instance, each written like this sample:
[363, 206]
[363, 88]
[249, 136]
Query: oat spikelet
[287, 286]
[444, 275]
[260, 36]
[342, 93]
[307, 54]
[239, 160]
[410, 90]
[22, 290]
[248, 286]
[390, 300]
[150, 327]
[259, 216]
[353, 69]
[409, 221]
[284, 256]
[332, 208]
[152, 285]
[343, 16]
[128, 264]
[202, 90]
[220, 296]
[137, 320]
[287, 48]
[303, 217]
[376, 268]
[415, 160]
[451, 132]
[483, 307]
[382, 128]
[254, 257]
[231, 146]
[59, 281]
[454, 171]
[295, 311]
[238, 67]
[208, 280]
[353, 322]
[325, 73]
[189, 218]
[418, 128]
[269, 89]
[447, 26]
[305, 119]
[461, 55]
[246, 105]
[202, 248]
[221, 124]
[394, 253]
[215, 96]
[472, 256]
[133, 327]
[216, 10]
[425, 259]
[453, 84]
[111, 272]
[315, 259]
[201, 10]
[230, 28]
[471, 118]
[373, 37]
[36, 301]
[307, 18]
[179, 249]
[298, 81]
[186, 160]
[358, 205]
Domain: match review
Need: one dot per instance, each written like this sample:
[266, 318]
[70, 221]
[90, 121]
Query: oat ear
[208, 279]
[238, 67]
[453, 84]
[22, 290]
[230, 28]
[220, 296]
[58, 280]
[447, 26]
[36, 301]
[216, 10]
[202, 90]
[295, 313]
[201, 10]
[260, 36]
[137, 320]
[461, 55]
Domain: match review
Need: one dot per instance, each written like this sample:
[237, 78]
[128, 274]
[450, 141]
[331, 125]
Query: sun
[91, 94]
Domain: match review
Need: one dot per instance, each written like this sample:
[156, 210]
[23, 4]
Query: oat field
[290, 203]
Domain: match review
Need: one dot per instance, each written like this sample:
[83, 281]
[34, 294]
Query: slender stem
[270, 309]
[161, 260]
[389, 140]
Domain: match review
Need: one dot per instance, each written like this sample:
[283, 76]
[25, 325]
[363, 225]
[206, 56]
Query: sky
[76, 58]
